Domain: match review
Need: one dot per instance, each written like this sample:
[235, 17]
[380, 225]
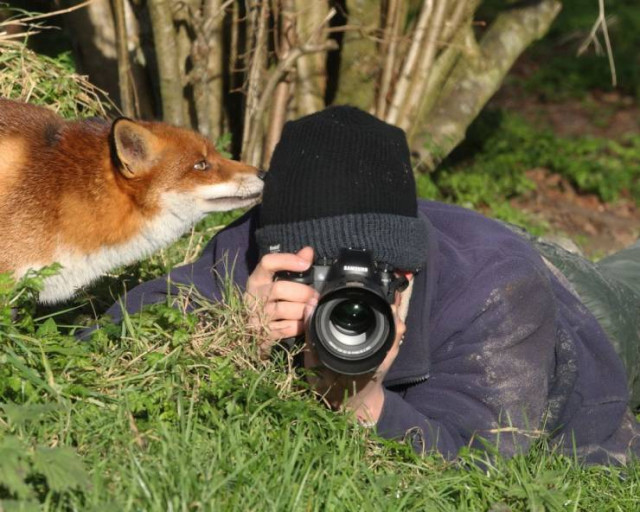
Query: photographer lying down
[430, 322]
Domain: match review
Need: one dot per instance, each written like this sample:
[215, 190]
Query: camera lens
[352, 317]
[352, 329]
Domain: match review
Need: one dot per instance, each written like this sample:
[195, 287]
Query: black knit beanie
[343, 178]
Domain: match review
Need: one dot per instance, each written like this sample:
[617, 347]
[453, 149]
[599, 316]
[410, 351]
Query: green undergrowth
[488, 168]
[555, 71]
[565, 75]
[175, 411]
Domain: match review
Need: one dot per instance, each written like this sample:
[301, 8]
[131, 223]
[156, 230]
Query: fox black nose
[261, 174]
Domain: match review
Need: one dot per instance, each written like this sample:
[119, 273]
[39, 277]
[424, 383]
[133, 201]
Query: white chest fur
[178, 213]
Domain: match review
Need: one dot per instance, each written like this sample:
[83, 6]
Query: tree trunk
[169, 71]
[422, 71]
[311, 68]
[252, 137]
[94, 45]
[124, 67]
[213, 83]
[410, 64]
[475, 78]
[282, 94]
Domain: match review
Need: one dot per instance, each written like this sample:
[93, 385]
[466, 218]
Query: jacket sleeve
[492, 371]
[197, 275]
[230, 254]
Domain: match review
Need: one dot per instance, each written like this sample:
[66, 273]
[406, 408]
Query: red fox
[93, 195]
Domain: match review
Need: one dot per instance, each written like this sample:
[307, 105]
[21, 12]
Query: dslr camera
[352, 328]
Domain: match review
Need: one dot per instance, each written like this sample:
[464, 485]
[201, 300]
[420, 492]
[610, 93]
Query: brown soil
[598, 228]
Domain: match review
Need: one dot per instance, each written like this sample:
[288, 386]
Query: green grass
[177, 412]
[172, 411]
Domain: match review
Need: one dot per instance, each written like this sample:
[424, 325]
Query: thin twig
[601, 23]
[222, 9]
[55, 13]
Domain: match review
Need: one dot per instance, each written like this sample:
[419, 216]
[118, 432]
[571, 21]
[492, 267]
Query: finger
[292, 292]
[272, 263]
[282, 310]
[285, 329]
[401, 327]
[306, 253]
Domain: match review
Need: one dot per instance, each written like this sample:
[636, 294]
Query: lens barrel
[352, 327]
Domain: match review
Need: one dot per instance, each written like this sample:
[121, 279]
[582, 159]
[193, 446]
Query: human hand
[361, 394]
[277, 308]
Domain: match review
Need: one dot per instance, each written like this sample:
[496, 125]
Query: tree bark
[428, 54]
[457, 30]
[473, 81]
[94, 45]
[213, 16]
[281, 96]
[186, 16]
[391, 27]
[252, 137]
[205, 76]
[311, 68]
[166, 49]
[409, 67]
[124, 67]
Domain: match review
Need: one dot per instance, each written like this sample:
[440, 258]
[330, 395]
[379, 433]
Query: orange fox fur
[93, 195]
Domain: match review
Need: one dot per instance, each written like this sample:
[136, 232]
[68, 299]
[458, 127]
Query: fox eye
[202, 165]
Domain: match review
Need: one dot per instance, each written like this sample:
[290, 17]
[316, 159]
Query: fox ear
[132, 147]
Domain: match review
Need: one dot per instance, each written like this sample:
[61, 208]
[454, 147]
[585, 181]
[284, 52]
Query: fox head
[154, 161]
[93, 195]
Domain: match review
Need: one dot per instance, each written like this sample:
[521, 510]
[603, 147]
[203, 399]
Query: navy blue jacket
[496, 347]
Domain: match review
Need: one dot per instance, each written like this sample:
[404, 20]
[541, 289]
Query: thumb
[306, 253]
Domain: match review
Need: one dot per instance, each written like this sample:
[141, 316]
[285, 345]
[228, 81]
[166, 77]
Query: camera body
[352, 328]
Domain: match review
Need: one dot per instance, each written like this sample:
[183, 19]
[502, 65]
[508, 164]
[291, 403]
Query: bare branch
[463, 40]
[460, 10]
[404, 80]
[441, 70]
[410, 107]
[55, 13]
[284, 66]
